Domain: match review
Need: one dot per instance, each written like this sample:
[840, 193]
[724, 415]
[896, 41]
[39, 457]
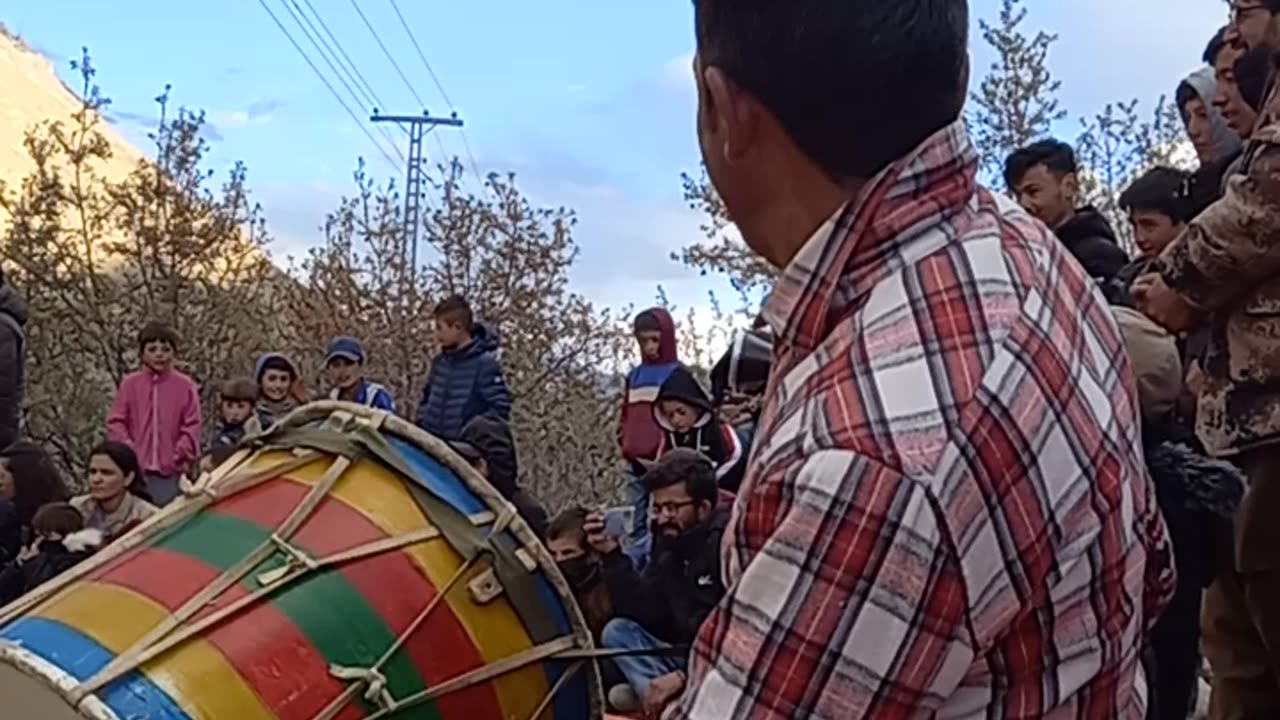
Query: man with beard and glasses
[679, 587]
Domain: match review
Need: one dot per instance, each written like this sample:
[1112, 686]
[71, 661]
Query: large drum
[346, 565]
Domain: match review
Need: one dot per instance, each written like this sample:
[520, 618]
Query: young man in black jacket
[681, 584]
[1042, 177]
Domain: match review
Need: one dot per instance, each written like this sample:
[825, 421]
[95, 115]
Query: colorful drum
[345, 565]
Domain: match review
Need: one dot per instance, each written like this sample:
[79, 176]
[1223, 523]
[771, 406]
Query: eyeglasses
[1242, 10]
[670, 508]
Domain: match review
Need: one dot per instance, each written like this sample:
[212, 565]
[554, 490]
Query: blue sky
[589, 102]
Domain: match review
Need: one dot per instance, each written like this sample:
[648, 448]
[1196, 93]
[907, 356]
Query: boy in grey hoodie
[280, 388]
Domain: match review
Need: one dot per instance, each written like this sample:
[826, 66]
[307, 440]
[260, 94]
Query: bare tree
[1016, 102]
[99, 258]
[1118, 144]
[510, 260]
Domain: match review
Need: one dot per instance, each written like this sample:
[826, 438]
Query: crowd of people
[1000, 468]
[677, 450]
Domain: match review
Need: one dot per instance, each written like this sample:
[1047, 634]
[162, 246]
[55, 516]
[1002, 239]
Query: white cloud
[677, 75]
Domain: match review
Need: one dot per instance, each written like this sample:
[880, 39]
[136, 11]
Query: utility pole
[416, 174]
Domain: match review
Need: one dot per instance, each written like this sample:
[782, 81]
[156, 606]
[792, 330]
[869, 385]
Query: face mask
[582, 572]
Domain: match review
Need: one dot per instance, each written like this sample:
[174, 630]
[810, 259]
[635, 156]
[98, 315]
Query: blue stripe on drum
[573, 700]
[440, 481]
[132, 696]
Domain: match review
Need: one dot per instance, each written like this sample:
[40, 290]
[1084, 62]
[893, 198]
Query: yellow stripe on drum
[195, 675]
[497, 632]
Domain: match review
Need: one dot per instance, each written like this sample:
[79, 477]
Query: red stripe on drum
[261, 643]
[391, 583]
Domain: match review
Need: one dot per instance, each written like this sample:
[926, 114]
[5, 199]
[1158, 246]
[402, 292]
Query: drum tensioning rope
[356, 439]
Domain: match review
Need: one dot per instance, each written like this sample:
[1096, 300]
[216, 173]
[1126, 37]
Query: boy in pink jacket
[157, 413]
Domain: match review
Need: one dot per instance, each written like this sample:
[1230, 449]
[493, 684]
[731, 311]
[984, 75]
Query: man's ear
[733, 116]
[1071, 186]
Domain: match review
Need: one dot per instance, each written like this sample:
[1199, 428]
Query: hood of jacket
[87, 540]
[297, 392]
[13, 303]
[667, 352]
[1086, 224]
[484, 339]
[261, 366]
[683, 386]
[1225, 142]
[492, 439]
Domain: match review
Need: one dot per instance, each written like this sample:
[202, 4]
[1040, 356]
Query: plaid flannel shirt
[947, 513]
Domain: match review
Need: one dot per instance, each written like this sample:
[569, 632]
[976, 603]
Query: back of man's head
[1057, 157]
[856, 84]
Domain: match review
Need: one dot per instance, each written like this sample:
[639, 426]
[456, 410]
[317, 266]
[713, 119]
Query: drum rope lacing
[372, 676]
[159, 640]
[299, 564]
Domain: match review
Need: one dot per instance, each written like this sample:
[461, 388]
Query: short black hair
[456, 310]
[688, 466]
[1054, 154]
[569, 522]
[857, 84]
[1215, 46]
[647, 321]
[1160, 189]
[157, 332]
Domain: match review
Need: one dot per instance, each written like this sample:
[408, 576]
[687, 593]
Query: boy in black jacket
[679, 587]
[688, 419]
[61, 542]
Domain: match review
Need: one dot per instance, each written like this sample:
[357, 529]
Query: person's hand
[661, 691]
[599, 541]
[1159, 302]
[1195, 378]
[29, 551]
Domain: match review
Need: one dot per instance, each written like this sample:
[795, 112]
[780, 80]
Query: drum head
[27, 696]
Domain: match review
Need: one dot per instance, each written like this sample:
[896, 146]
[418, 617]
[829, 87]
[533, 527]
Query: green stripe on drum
[325, 607]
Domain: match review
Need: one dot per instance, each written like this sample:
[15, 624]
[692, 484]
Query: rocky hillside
[31, 92]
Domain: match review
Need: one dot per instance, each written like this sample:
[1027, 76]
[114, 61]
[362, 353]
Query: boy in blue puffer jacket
[466, 380]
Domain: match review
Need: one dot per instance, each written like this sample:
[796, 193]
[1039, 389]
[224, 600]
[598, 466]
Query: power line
[422, 56]
[342, 75]
[323, 48]
[327, 84]
[351, 63]
[466, 144]
[387, 52]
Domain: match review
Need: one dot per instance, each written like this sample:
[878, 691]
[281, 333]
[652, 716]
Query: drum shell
[274, 659]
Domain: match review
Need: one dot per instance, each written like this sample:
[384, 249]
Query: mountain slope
[33, 93]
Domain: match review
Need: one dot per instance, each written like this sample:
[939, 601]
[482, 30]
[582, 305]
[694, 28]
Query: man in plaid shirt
[946, 513]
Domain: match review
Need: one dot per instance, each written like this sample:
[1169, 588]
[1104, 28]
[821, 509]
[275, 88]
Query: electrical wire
[422, 55]
[359, 122]
[387, 52]
[321, 47]
[466, 143]
[351, 63]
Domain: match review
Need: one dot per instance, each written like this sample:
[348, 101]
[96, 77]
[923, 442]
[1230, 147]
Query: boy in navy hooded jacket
[638, 432]
[466, 379]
